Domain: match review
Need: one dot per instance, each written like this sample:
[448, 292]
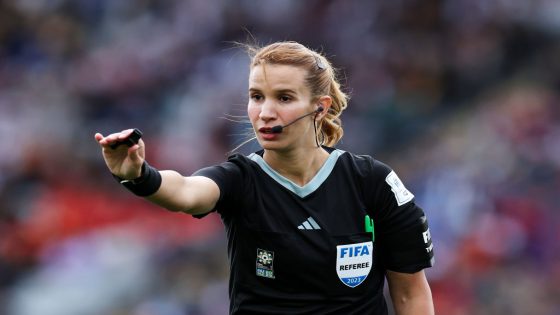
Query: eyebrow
[281, 91]
[287, 91]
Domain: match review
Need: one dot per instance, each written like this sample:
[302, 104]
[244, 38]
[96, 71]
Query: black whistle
[131, 140]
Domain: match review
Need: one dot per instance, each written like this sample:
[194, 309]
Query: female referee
[311, 229]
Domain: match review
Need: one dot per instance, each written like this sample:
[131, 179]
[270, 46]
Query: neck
[298, 165]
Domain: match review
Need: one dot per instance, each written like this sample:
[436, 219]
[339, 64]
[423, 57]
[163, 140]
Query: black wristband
[147, 184]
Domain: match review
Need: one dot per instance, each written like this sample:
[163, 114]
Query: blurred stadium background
[461, 97]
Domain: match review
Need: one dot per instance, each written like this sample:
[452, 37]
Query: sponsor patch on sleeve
[402, 195]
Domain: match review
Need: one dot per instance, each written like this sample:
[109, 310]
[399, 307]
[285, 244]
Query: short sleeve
[228, 176]
[401, 226]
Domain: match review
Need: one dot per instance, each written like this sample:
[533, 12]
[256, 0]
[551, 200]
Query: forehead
[276, 77]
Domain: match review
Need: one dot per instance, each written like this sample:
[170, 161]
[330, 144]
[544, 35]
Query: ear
[325, 102]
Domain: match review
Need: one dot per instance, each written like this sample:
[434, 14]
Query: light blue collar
[301, 191]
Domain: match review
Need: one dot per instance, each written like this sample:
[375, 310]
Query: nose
[268, 111]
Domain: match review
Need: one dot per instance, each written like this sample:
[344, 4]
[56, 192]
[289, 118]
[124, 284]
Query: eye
[256, 97]
[285, 98]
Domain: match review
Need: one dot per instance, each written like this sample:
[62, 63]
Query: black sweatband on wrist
[147, 184]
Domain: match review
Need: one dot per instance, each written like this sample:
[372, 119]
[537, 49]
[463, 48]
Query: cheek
[253, 112]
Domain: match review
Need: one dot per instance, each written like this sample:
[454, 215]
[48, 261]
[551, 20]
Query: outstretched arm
[193, 195]
[410, 293]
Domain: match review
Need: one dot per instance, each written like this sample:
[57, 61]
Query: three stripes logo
[309, 224]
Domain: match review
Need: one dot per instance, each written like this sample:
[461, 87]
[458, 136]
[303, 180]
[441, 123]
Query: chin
[272, 144]
[268, 145]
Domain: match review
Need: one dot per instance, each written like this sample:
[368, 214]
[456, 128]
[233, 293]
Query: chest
[319, 239]
[335, 207]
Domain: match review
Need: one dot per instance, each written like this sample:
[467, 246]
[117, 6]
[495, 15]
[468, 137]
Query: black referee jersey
[322, 248]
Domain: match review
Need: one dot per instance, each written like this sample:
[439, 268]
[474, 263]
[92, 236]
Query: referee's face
[278, 95]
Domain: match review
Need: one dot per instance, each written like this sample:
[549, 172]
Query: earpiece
[320, 109]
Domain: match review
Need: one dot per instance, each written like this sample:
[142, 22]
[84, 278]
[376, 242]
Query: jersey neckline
[311, 186]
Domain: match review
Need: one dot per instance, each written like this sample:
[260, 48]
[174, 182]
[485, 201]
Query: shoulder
[233, 177]
[377, 179]
[365, 166]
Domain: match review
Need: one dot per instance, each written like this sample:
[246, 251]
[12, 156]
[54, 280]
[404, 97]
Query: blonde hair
[321, 79]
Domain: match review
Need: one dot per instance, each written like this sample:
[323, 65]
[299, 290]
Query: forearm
[193, 195]
[169, 193]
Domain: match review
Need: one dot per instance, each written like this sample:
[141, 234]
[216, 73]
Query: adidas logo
[309, 224]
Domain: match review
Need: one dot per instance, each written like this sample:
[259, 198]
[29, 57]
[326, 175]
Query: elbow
[175, 209]
[413, 305]
[401, 301]
[187, 210]
[170, 206]
[410, 293]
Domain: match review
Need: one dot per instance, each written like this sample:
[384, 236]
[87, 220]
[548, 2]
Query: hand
[123, 161]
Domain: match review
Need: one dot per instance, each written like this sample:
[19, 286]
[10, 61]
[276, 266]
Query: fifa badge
[353, 262]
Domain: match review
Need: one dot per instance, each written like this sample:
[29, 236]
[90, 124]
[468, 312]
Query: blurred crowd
[460, 97]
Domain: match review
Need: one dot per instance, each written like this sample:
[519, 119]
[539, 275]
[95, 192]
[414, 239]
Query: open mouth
[267, 130]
